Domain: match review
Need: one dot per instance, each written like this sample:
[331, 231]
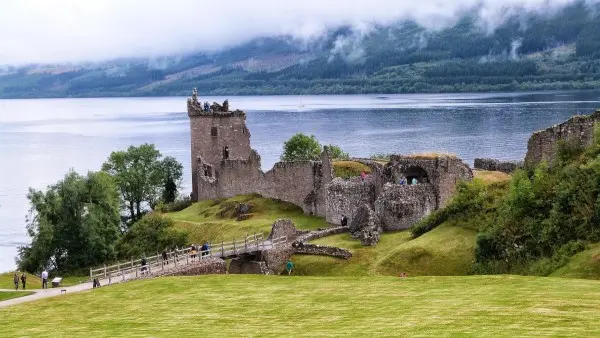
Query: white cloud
[94, 30]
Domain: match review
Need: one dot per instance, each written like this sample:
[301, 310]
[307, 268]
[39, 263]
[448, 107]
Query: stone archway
[416, 172]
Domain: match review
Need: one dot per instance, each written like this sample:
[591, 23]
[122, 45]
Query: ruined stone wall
[230, 130]
[312, 235]
[491, 164]
[344, 197]
[542, 145]
[301, 183]
[243, 266]
[207, 266]
[401, 206]
[321, 250]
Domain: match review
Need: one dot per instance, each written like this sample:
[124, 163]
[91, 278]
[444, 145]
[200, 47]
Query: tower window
[213, 131]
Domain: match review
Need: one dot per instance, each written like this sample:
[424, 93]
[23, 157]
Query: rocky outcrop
[322, 250]
[401, 206]
[491, 164]
[365, 226]
[283, 227]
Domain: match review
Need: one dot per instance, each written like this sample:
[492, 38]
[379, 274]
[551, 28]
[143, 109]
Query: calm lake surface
[40, 140]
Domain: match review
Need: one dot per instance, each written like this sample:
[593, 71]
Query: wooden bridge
[157, 266]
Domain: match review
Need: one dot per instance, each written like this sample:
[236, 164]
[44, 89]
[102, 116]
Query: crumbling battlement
[543, 144]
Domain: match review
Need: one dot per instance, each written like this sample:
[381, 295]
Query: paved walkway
[46, 293]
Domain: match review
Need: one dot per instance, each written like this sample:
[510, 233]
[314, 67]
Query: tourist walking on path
[289, 266]
[44, 279]
[363, 175]
[16, 280]
[23, 280]
[344, 221]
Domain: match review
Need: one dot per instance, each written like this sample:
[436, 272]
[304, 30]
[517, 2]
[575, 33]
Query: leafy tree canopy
[74, 224]
[143, 178]
[301, 147]
[337, 153]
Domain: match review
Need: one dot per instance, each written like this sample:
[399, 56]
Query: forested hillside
[528, 51]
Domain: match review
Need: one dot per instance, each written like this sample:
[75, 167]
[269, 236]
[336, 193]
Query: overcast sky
[51, 31]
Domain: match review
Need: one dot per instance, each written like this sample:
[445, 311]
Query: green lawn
[5, 295]
[278, 306]
[213, 221]
[446, 250]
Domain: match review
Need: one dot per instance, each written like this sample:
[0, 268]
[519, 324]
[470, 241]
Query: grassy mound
[490, 177]
[349, 169]
[215, 221]
[243, 305]
[585, 264]
[446, 250]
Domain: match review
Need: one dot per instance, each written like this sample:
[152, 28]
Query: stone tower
[217, 134]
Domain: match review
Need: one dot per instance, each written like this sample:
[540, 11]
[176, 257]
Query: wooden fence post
[234, 250]
[256, 240]
[123, 274]
[246, 243]
[132, 263]
[222, 250]
[91, 278]
[104, 271]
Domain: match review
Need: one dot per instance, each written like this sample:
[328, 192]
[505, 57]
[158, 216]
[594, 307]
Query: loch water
[41, 139]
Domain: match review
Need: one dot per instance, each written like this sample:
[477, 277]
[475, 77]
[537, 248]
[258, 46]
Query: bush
[337, 153]
[151, 234]
[181, 203]
[301, 147]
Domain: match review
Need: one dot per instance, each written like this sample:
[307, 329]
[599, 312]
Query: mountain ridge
[528, 51]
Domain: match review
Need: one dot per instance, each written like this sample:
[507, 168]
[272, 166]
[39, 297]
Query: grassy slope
[6, 281]
[349, 169]
[585, 264]
[246, 305]
[5, 295]
[446, 250]
[203, 220]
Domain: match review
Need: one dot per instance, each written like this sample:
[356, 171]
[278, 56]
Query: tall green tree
[74, 224]
[143, 177]
[172, 173]
[301, 147]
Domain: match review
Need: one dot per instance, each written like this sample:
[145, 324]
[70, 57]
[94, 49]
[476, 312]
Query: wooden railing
[155, 265]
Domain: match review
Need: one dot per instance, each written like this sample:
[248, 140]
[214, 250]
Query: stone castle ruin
[224, 165]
